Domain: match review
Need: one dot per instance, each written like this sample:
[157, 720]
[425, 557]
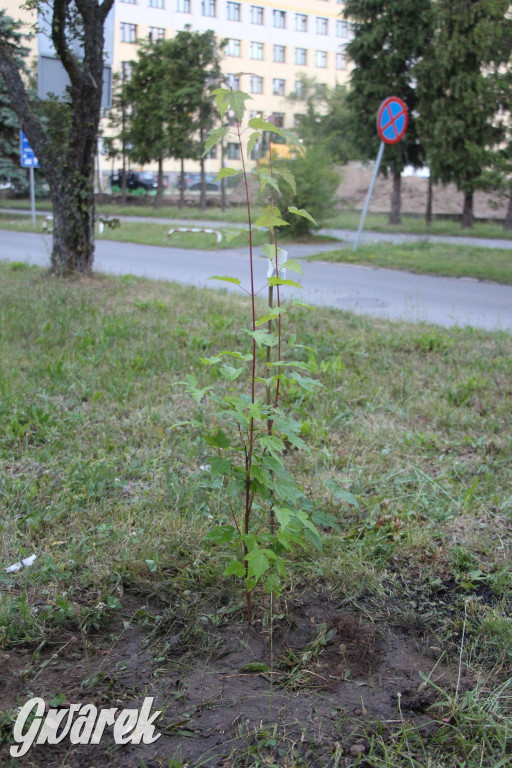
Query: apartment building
[270, 43]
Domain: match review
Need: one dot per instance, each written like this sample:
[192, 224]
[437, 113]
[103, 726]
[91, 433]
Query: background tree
[459, 92]
[325, 117]
[170, 113]
[66, 145]
[390, 37]
[119, 115]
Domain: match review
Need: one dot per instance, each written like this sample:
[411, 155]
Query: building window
[341, 29]
[132, 2]
[212, 153]
[321, 59]
[300, 89]
[126, 70]
[280, 19]
[208, 8]
[341, 62]
[156, 33]
[321, 25]
[156, 3]
[257, 51]
[279, 53]
[278, 86]
[278, 119]
[233, 151]
[256, 84]
[128, 32]
[233, 12]
[256, 14]
[301, 22]
[233, 82]
[233, 47]
[301, 56]
[183, 6]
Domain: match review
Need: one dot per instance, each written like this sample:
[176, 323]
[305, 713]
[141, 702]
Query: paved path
[346, 235]
[365, 290]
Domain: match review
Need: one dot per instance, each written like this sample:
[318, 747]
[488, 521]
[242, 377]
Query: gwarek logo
[82, 724]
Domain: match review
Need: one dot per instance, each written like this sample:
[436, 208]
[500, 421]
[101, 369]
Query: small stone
[357, 749]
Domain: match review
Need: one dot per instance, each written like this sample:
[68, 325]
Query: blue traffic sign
[392, 119]
[27, 156]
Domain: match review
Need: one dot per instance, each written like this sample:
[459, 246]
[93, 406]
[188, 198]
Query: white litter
[21, 564]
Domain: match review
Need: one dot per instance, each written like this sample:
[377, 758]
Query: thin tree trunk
[73, 225]
[222, 181]
[467, 212]
[160, 187]
[507, 224]
[428, 212]
[181, 203]
[394, 215]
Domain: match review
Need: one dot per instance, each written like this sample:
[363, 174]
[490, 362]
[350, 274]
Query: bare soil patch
[313, 684]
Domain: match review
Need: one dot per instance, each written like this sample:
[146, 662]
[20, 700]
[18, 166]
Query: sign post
[392, 119]
[30, 161]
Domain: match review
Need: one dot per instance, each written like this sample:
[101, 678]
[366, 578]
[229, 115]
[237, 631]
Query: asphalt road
[379, 292]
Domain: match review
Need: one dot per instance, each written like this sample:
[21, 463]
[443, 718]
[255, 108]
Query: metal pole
[32, 196]
[369, 195]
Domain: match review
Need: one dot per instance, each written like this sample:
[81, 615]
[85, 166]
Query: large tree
[65, 143]
[459, 92]
[390, 36]
[170, 111]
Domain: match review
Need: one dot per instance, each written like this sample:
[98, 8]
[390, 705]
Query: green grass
[429, 259]
[378, 222]
[414, 420]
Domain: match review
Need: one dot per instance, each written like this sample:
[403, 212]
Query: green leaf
[270, 217]
[273, 444]
[258, 563]
[293, 266]
[288, 177]
[218, 439]
[259, 124]
[305, 382]
[219, 467]
[226, 172]
[237, 101]
[292, 139]
[231, 373]
[348, 497]
[214, 137]
[302, 212]
[266, 179]
[253, 138]
[235, 568]
[221, 534]
[264, 337]
[226, 279]
[272, 314]
[210, 360]
[255, 666]
[283, 516]
[222, 98]
[280, 281]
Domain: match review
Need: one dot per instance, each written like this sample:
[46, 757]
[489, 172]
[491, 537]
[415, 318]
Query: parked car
[136, 181]
[193, 182]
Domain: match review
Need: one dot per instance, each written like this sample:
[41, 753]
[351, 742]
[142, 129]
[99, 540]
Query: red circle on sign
[392, 119]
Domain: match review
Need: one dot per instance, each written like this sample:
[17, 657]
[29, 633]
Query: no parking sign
[392, 119]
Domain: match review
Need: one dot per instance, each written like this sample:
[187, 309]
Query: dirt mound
[312, 685]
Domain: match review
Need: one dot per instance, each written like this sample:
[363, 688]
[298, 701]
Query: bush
[316, 186]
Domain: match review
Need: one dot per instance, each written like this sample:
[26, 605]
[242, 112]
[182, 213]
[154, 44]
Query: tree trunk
[428, 212]
[507, 224]
[73, 225]
[467, 212]
[223, 180]
[160, 187]
[181, 204]
[394, 215]
[203, 183]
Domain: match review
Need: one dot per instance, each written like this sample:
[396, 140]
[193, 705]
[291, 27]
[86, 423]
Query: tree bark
[203, 180]
[428, 212]
[394, 215]
[507, 223]
[223, 180]
[181, 203]
[467, 211]
[160, 187]
[67, 161]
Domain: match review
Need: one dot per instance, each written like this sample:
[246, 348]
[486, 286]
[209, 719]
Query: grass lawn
[126, 599]
[429, 258]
